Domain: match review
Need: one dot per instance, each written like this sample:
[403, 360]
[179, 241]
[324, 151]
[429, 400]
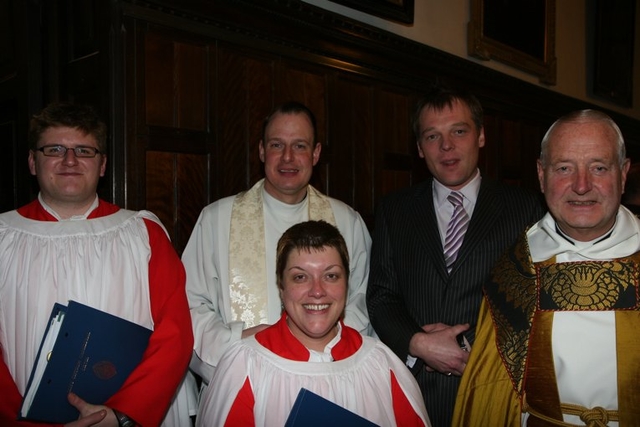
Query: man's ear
[316, 153]
[540, 169]
[32, 162]
[261, 151]
[481, 139]
[103, 165]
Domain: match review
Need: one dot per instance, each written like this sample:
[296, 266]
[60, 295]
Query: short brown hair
[307, 236]
[440, 96]
[81, 117]
[291, 107]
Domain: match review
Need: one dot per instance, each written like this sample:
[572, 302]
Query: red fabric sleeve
[241, 412]
[405, 414]
[146, 394]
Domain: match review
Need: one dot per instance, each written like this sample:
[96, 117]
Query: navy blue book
[85, 351]
[312, 410]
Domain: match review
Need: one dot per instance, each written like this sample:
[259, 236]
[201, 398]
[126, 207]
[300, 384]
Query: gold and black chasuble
[523, 296]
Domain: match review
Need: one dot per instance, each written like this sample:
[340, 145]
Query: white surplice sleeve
[358, 240]
[206, 261]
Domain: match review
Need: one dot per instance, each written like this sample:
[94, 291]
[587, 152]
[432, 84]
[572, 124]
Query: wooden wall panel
[82, 58]
[161, 188]
[15, 160]
[488, 161]
[185, 86]
[20, 87]
[14, 168]
[176, 83]
[158, 80]
[191, 182]
[352, 136]
[511, 149]
[176, 185]
[244, 97]
[509, 152]
[8, 39]
[530, 138]
[395, 152]
[174, 129]
[192, 86]
[206, 89]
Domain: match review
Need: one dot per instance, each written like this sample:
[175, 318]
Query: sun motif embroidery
[586, 285]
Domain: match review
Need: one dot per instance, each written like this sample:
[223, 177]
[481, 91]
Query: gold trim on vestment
[594, 417]
[588, 285]
[247, 253]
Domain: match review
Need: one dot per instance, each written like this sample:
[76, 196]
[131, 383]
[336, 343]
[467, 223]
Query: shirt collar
[326, 356]
[50, 210]
[469, 191]
[584, 244]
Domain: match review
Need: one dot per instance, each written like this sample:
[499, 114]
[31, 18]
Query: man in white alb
[230, 256]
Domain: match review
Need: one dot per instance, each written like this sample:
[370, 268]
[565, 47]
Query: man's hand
[439, 349]
[91, 415]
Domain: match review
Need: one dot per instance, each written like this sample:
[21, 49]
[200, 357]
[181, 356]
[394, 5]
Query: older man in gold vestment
[557, 334]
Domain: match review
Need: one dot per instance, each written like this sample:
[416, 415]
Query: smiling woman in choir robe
[259, 378]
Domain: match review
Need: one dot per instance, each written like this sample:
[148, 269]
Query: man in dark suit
[423, 302]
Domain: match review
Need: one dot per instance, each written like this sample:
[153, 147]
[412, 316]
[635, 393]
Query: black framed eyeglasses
[61, 151]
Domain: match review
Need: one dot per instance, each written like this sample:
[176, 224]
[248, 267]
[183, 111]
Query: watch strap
[123, 419]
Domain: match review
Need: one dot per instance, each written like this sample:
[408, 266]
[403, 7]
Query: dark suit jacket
[408, 282]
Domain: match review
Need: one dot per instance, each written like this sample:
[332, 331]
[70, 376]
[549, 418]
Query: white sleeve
[206, 266]
[216, 401]
[356, 235]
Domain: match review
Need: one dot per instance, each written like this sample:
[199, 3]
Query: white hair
[583, 116]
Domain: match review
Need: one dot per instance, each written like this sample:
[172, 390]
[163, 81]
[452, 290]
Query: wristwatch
[123, 419]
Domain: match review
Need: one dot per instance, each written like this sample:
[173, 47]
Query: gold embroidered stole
[247, 252]
[523, 297]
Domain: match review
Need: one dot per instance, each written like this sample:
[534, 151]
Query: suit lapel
[425, 226]
[488, 208]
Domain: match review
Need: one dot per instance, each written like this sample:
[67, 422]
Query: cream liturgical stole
[247, 252]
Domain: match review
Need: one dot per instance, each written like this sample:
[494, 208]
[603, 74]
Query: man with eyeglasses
[70, 245]
[230, 256]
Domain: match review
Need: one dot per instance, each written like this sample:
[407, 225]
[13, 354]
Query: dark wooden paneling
[159, 79]
[192, 195]
[15, 159]
[244, 97]
[192, 86]
[176, 191]
[161, 188]
[364, 124]
[487, 161]
[396, 150]
[185, 87]
[177, 85]
[20, 96]
[352, 136]
[529, 144]
[8, 41]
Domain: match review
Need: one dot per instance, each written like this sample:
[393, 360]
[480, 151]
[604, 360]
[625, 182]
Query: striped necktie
[455, 230]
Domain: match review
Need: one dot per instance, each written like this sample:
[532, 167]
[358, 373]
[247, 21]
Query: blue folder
[92, 356]
[312, 410]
